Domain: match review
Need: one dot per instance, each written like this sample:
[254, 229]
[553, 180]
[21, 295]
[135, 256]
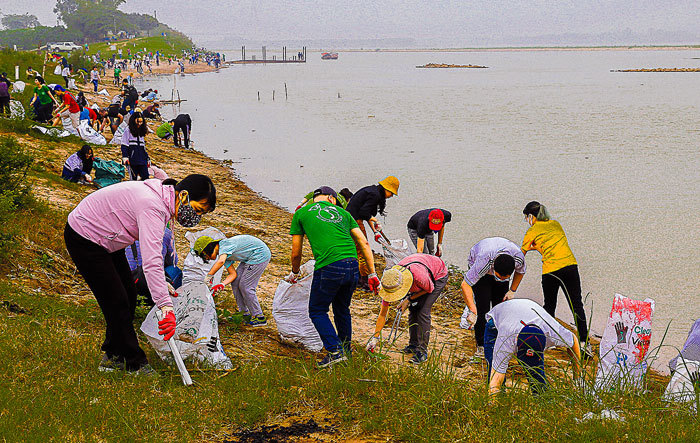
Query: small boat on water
[329, 56]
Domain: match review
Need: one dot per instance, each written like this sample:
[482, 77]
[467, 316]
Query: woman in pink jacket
[107, 221]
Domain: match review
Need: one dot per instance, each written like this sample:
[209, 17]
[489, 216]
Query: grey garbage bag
[290, 309]
[197, 330]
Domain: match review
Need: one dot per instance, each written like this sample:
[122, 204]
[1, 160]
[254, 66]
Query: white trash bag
[197, 330]
[16, 109]
[395, 251]
[117, 137]
[68, 126]
[57, 70]
[625, 344]
[194, 268]
[18, 86]
[290, 309]
[71, 84]
[103, 92]
[681, 388]
[54, 132]
[90, 135]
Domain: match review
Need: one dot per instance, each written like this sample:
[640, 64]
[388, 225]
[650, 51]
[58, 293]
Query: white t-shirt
[65, 72]
[511, 317]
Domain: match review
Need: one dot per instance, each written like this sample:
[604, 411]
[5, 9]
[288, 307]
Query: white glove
[208, 280]
[292, 277]
[438, 253]
[125, 160]
[171, 290]
[88, 178]
[471, 319]
[372, 344]
[377, 226]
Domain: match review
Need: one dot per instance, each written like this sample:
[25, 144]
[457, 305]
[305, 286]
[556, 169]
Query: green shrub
[15, 163]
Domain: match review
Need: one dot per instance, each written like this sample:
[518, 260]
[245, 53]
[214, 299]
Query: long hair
[87, 162]
[382, 200]
[134, 128]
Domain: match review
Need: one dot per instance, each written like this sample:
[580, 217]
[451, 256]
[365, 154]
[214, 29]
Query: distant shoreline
[536, 48]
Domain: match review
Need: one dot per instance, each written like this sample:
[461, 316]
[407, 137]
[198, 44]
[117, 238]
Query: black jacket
[365, 203]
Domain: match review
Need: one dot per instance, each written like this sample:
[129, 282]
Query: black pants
[488, 292]
[185, 134]
[5, 105]
[569, 280]
[139, 172]
[109, 278]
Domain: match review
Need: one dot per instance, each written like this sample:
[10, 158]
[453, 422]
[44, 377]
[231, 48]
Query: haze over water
[614, 156]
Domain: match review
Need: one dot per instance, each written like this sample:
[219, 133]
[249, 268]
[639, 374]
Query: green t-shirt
[310, 199]
[328, 229]
[117, 71]
[42, 94]
[164, 129]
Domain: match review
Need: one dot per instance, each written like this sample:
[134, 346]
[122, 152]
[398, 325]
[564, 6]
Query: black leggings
[488, 292]
[569, 280]
[185, 129]
[110, 280]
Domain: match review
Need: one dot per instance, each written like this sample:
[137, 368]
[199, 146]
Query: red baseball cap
[435, 219]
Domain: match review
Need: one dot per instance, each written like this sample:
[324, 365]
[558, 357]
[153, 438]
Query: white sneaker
[478, 355]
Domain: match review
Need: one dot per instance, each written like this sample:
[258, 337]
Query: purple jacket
[116, 216]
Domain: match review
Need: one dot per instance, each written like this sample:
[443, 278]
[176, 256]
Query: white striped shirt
[482, 255]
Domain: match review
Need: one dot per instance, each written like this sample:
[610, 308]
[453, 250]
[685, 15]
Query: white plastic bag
[90, 135]
[290, 309]
[194, 269]
[103, 92]
[71, 84]
[396, 251]
[54, 132]
[117, 137]
[197, 330]
[18, 86]
[624, 346]
[16, 109]
[681, 388]
[57, 70]
[68, 126]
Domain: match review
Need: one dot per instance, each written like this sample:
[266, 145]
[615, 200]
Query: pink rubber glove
[166, 326]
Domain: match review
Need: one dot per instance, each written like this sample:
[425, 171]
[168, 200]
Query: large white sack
[57, 70]
[681, 388]
[18, 86]
[117, 137]
[68, 126]
[16, 109]
[90, 135]
[103, 92]
[396, 251]
[625, 344]
[54, 132]
[71, 84]
[194, 269]
[197, 330]
[290, 309]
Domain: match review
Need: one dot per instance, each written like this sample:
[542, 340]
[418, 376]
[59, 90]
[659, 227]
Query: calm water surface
[614, 156]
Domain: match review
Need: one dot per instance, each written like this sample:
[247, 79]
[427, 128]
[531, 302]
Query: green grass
[172, 44]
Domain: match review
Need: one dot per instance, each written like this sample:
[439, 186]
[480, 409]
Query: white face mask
[500, 279]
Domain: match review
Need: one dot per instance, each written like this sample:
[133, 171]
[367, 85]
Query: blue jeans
[333, 285]
[531, 344]
[95, 83]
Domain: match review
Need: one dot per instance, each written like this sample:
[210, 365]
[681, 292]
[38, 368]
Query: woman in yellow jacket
[559, 267]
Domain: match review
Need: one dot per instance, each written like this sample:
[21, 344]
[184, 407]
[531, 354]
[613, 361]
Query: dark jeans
[177, 129]
[419, 316]
[139, 172]
[333, 285]
[568, 279]
[488, 292]
[43, 112]
[95, 83]
[530, 352]
[109, 278]
[5, 105]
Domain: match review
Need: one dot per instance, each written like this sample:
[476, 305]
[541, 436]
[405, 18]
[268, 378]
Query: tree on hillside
[20, 21]
[65, 8]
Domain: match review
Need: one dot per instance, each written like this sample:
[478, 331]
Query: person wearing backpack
[416, 283]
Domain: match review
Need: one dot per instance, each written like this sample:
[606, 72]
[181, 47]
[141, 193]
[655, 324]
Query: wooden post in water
[285, 90]
[258, 95]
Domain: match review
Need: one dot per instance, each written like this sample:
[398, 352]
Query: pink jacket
[116, 216]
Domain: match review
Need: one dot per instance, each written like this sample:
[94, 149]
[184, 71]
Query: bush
[15, 163]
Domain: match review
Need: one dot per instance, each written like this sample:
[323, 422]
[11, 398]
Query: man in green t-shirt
[165, 131]
[332, 234]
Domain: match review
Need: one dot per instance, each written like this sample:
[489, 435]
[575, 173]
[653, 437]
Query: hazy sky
[460, 22]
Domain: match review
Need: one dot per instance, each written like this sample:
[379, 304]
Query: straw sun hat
[396, 283]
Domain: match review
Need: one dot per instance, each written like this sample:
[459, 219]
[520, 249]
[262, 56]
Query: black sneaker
[109, 365]
[419, 357]
[410, 349]
[331, 359]
[146, 370]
